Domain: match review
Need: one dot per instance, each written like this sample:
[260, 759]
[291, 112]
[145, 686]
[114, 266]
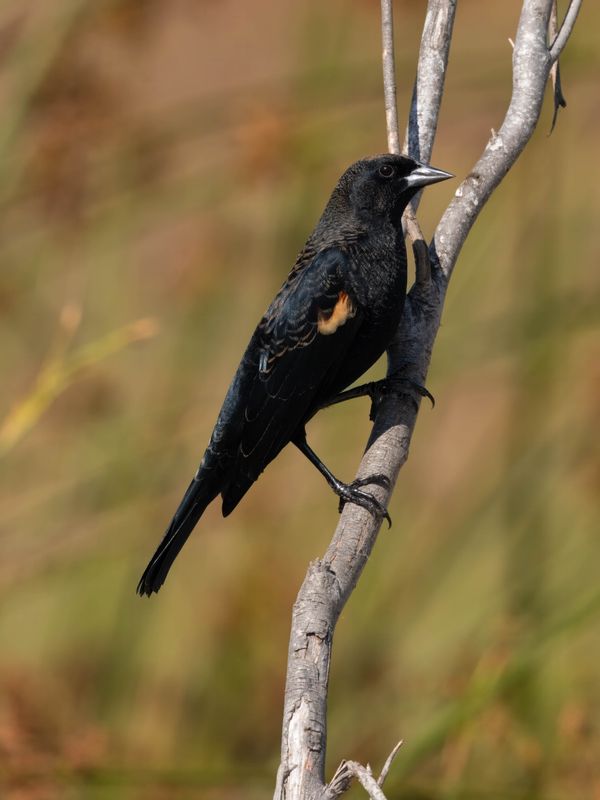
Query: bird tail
[205, 486]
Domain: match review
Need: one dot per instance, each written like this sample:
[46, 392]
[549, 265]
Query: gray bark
[330, 580]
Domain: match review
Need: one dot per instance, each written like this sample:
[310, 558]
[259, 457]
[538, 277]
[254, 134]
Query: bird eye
[386, 171]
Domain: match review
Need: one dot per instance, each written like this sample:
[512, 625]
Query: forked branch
[330, 580]
[348, 770]
[562, 37]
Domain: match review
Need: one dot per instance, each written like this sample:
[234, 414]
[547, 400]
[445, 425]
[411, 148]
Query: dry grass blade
[60, 371]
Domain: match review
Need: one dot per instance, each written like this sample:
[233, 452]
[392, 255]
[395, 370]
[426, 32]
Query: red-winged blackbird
[333, 317]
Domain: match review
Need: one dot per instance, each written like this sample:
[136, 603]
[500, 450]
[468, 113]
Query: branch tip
[566, 29]
[557, 93]
[389, 76]
[388, 763]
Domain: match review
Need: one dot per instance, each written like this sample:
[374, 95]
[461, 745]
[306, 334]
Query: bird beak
[423, 175]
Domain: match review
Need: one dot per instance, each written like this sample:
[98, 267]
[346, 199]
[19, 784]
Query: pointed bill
[423, 175]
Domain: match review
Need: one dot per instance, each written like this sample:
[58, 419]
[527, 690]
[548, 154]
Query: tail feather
[201, 491]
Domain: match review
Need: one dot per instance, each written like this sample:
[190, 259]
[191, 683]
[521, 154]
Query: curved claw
[378, 479]
[350, 493]
[397, 381]
[424, 392]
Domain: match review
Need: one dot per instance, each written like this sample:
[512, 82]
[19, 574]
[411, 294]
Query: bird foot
[398, 383]
[351, 493]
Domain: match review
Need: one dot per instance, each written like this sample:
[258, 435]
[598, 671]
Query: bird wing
[294, 354]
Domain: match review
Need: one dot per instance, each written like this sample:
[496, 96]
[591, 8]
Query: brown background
[161, 163]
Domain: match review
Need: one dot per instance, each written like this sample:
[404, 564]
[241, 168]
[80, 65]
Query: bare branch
[389, 76]
[347, 770]
[531, 67]
[339, 784]
[559, 98]
[330, 581]
[429, 83]
[566, 29]
[424, 113]
[366, 779]
[425, 105]
[388, 763]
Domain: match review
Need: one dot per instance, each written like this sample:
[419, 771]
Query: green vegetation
[161, 165]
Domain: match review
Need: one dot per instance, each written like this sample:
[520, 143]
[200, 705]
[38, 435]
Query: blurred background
[161, 163]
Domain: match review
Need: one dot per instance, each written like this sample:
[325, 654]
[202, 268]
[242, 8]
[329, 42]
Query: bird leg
[347, 492]
[377, 389]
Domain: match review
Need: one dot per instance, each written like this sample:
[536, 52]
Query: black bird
[331, 320]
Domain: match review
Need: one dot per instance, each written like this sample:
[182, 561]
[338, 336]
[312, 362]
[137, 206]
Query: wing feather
[301, 340]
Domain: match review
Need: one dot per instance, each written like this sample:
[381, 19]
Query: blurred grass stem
[61, 370]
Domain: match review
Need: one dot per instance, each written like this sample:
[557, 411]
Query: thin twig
[366, 779]
[409, 220]
[562, 37]
[429, 82]
[531, 69]
[389, 76]
[438, 12]
[424, 113]
[557, 93]
[352, 769]
[388, 763]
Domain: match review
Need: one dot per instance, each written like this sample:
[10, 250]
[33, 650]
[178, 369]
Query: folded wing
[294, 354]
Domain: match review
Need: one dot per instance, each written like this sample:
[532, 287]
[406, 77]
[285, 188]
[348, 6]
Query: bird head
[381, 187]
